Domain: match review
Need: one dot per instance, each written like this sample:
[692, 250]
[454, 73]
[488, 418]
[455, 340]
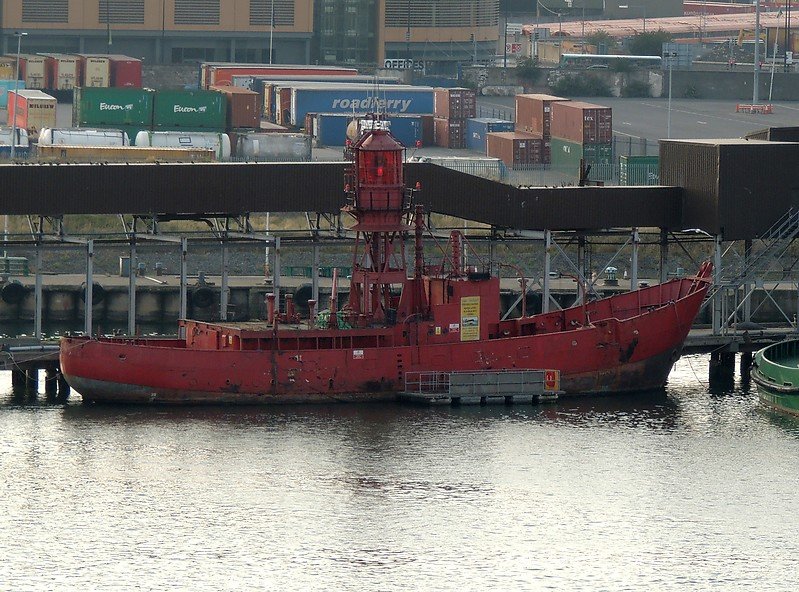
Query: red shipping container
[242, 107]
[214, 74]
[450, 133]
[283, 106]
[455, 103]
[533, 113]
[515, 148]
[582, 122]
[428, 130]
[125, 71]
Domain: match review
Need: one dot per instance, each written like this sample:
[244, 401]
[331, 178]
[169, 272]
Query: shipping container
[567, 155]
[639, 170]
[242, 107]
[7, 85]
[515, 148]
[330, 129]
[94, 70]
[79, 136]
[455, 103]
[582, 122]
[533, 113]
[125, 71]
[213, 73]
[126, 109]
[275, 147]
[32, 71]
[449, 133]
[478, 128]
[122, 154]
[61, 71]
[190, 110]
[320, 97]
[8, 67]
[218, 142]
[32, 110]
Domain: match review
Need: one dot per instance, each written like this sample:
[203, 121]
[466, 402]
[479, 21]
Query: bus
[597, 61]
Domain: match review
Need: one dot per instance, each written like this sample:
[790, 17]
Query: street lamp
[669, 55]
[271, 30]
[19, 35]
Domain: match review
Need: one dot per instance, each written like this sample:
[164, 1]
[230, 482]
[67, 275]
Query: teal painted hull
[775, 370]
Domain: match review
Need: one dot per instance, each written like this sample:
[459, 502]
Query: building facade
[440, 33]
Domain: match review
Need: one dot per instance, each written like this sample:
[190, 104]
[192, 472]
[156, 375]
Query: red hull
[629, 343]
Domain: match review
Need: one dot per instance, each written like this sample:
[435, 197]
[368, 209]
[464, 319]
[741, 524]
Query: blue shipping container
[331, 128]
[476, 130]
[5, 86]
[389, 100]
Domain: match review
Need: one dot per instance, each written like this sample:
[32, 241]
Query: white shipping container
[64, 71]
[83, 137]
[96, 71]
[218, 142]
[32, 69]
[275, 147]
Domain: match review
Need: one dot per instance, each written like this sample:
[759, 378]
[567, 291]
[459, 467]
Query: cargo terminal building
[436, 34]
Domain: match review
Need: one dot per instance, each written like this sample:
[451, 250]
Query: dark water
[682, 490]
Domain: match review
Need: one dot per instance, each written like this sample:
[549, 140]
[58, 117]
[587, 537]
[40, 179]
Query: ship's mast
[380, 204]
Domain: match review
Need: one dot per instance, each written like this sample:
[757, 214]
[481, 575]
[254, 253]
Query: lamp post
[271, 29]
[19, 35]
[756, 85]
[669, 55]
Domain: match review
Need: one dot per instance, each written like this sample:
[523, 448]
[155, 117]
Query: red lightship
[395, 325]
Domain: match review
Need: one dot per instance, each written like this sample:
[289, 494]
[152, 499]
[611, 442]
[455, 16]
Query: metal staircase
[744, 271]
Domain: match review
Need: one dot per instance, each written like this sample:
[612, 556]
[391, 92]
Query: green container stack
[127, 109]
[189, 110]
[567, 155]
[639, 170]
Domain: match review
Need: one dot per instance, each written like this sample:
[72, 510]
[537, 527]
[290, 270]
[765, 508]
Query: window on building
[442, 13]
[121, 11]
[261, 12]
[196, 12]
[45, 11]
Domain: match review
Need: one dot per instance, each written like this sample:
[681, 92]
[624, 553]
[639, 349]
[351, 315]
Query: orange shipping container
[533, 113]
[455, 103]
[450, 133]
[515, 148]
[242, 107]
[580, 122]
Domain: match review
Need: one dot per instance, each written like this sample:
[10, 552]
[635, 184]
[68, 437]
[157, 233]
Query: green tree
[527, 70]
[602, 39]
[649, 43]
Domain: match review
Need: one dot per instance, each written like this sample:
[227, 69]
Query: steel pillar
[315, 274]
[276, 274]
[37, 295]
[718, 297]
[132, 270]
[184, 248]
[88, 301]
[547, 268]
[664, 255]
[747, 287]
[224, 290]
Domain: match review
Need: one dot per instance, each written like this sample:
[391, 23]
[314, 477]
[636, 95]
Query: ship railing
[427, 382]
